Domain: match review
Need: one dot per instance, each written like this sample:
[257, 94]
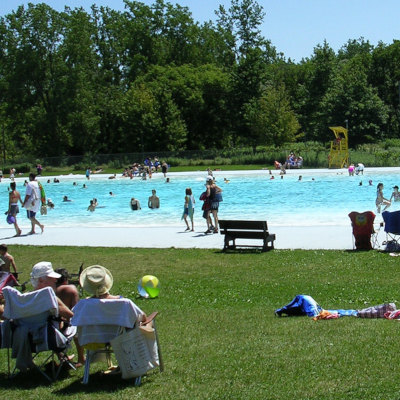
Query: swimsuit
[214, 201]
[14, 210]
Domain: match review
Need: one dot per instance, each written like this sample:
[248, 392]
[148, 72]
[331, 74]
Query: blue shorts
[30, 214]
[186, 211]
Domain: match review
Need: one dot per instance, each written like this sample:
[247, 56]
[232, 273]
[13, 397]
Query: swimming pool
[322, 197]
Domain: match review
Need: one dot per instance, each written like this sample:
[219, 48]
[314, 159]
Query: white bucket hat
[96, 280]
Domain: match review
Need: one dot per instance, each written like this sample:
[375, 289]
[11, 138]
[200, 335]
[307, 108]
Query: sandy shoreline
[287, 237]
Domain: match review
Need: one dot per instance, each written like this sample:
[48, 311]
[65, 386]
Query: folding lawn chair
[364, 234]
[7, 279]
[31, 327]
[392, 229]
[99, 321]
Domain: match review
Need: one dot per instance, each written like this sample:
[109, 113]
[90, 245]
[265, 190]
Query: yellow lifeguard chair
[339, 154]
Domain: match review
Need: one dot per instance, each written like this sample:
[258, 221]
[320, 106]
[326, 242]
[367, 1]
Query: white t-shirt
[33, 191]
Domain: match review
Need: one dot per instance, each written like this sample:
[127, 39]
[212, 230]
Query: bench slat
[232, 224]
[246, 234]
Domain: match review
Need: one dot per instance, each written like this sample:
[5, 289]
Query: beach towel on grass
[302, 304]
[376, 311]
[306, 305]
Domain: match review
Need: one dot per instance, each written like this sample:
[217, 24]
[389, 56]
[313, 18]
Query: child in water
[380, 200]
[396, 194]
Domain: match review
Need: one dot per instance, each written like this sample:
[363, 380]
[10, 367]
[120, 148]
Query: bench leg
[226, 243]
[266, 247]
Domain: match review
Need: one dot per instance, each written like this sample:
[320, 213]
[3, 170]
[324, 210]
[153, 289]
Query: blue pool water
[325, 200]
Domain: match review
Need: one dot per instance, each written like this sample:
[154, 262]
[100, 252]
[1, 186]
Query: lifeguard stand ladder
[339, 154]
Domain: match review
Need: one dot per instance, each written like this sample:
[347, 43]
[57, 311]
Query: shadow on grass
[241, 250]
[99, 382]
[14, 236]
[30, 379]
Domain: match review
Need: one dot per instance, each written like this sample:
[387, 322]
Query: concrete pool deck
[287, 237]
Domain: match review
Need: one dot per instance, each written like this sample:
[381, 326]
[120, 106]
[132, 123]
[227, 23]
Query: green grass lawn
[219, 336]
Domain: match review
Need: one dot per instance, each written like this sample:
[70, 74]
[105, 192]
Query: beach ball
[10, 219]
[149, 286]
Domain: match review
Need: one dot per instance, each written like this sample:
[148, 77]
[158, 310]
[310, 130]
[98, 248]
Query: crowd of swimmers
[145, 170]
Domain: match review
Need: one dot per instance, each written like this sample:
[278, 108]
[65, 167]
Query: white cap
[44, 268]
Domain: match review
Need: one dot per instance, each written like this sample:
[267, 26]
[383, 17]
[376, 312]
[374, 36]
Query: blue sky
[294, 27]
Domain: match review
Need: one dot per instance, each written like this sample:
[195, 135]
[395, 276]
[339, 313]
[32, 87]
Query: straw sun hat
[96, 280]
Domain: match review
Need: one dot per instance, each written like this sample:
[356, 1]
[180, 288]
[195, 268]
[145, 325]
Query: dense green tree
[36, 74]
[318, 80]
[201, 95]
[150, 78]
[271, 119]
[384, 75]
[241, 24]
[351, 98]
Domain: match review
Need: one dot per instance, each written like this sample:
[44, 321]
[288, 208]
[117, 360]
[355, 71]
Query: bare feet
[42, 228]
[31, 233]
[18, 233]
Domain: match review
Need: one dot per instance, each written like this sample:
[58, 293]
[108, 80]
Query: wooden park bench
[236, 229]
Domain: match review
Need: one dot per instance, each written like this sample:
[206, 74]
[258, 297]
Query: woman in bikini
[13, 209]
[380, 200]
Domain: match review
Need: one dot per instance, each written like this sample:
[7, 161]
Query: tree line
[151, 78]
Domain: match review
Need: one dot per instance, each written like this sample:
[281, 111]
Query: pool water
[322, 197]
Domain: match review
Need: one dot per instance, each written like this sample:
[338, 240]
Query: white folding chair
[98, 322]
[32, 328]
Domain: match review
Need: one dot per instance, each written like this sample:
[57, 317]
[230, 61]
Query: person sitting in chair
[42, 276]
[98, 281]
[69, 296]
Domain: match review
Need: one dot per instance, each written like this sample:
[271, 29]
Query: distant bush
[315, 155]
[22, 167]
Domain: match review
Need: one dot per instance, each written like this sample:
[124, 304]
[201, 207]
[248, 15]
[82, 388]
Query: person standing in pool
[13, 210]
[135, 204]
[154, 201]
[380, 199]
[92, 206]
[396, 194]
